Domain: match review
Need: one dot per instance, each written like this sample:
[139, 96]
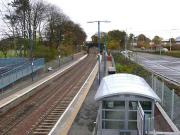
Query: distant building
[167, 41]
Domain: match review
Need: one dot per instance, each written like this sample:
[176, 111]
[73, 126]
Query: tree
[22, 8]
[130, 40]
[118, 37]
[55, 26]
[38, 16]
[10, 19]
[173, 41]
[5, 46]
[74, 35]
[95, 38]
[143, 41]
[28, 21]
[157, 40]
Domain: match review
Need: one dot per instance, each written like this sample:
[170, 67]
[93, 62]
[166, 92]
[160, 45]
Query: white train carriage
[126, 105]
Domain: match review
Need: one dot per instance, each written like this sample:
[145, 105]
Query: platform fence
[166, 90]
[23, 71]
[20, 71]
[169, 95]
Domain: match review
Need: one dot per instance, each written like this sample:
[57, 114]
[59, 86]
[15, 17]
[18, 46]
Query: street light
[59, 60]
[170, 39]
[31, 46]
[126, 41]
[170, 44]
[99, 43]
[60, 38]
[105, 52]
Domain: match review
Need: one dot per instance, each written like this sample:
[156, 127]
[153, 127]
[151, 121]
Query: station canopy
[122, 84]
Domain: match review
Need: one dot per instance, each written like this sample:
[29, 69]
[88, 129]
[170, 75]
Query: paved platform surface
[166, 66]
[26, 81]
[84, 121]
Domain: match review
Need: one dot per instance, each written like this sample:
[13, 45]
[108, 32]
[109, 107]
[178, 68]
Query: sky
[150, 17]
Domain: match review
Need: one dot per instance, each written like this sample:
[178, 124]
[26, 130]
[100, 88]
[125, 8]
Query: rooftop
[116, 84]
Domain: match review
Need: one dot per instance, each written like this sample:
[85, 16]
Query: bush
[124, 65]
[48, 53]
[173, 53]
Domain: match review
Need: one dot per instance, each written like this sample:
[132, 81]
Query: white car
[164, 50]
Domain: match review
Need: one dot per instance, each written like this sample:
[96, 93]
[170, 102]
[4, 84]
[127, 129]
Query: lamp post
[170, 40]
[99, 49]
[59, 60]
[105, 52]
[126, 38]
[170, 45]
[30, 43]
[126, 42]
[60, 38]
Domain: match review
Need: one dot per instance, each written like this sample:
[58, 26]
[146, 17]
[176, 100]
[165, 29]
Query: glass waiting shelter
[126, 105]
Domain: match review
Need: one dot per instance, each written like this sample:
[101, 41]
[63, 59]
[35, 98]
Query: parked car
[164, 50]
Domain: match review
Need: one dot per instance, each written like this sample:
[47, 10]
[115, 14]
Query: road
[166, 66]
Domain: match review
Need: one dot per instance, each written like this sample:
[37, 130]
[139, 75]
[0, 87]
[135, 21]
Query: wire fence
[166, 91]
[170, 100]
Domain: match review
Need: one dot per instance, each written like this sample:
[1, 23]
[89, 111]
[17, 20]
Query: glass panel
[146, 105]
[114, 115]
[132, 125]
[132, 115]
[112, 124]
[132, 105]
[113, 105]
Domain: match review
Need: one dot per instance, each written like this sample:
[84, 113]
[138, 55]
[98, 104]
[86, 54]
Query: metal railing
[163, 133]
[95, 130]
[20, 71]
[11, 61]
[170, 100]
[59, 62]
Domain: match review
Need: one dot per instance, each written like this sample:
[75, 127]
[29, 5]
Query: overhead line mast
[99, 49]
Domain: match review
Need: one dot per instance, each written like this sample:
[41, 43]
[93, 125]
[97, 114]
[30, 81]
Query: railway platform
[19, 96]
[53, 100]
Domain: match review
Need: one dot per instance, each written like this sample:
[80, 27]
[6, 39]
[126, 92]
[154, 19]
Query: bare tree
[38, 16]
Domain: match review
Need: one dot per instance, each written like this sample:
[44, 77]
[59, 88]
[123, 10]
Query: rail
[74, 106]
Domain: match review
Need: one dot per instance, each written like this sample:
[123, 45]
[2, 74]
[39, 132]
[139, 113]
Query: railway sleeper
[67, 99]
[55, 113]
[42, 129]
[64, 104]
[47, 123]
[60, 109]
[45, 126]
[67, 102]
[52, 118]
[40, 133]
[64, 101]
[51, 121]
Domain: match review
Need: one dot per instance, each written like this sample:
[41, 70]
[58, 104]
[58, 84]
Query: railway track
[39, 113]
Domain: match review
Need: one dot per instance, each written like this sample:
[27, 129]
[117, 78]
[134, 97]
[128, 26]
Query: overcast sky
[151, 17]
